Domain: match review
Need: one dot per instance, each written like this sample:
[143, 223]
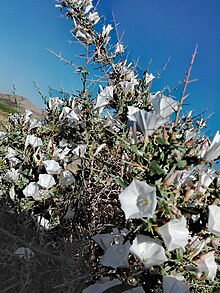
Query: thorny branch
[186, 81]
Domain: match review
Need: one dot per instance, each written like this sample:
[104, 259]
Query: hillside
[13, 103]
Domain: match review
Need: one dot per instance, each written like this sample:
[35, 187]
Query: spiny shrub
[121, 166]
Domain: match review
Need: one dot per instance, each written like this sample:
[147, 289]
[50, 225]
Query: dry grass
[58, 265]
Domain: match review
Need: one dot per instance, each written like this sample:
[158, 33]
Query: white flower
[69, 214]
[149, 78]
[24, 252]
[51, 166]
[116, 255]
[33, 141]
[163, 105]
[80, 150]
[131, 111]
[12, 175]
[66, 178]
[104, 96]
[11, 156]
[135, 290]
[106, 30]
[214, 219]
[101, 287]
[82, 34]
[68, 113]
[2, 135]
[173, 285]
[119, 48]
[43, 223]
[148, 251]
[94, 17]
[32, 189]
[183, 177]
[27, 115]
[12, 193]
[196, 245]
[175, 234]
[105, 240]
[206, 264]
[128, 86]
[212, 152]
[53, 103]
[147, 122]
[87, 6]
[34, 123]
[131, 123]
[204, 181]
[138, 200]
[60, 153]
[46, 180]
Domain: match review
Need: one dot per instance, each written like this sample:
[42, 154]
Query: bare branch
[64, 60]
[186, 81]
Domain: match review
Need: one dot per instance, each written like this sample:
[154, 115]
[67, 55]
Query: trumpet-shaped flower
[138, 200]
[46, 180]
[206, 264]
[212, 152]
[12, 175]
[104, 97]
[173, 285]
[214, 220]
[66, 178]
[127, 86]
[94, 17]
[53, 103]
[32, 140]
[51, 166]
[68, 113]
[34, 123]
[105, 33]
[101, 287]
[147, 122]
[163, 105]
[175, 234]
[119, 48]
[149, 78]
[27, 115]
[2, 135]
[148, 251]
[204, 181]
[183, 177]
[43, 223]
[105, 240]
[82, 34]
[11, 156]
[80, 150]
[32, 189]
[69, 214]
[116, 255]
[60, 153]
[87, 5]
[24, 252]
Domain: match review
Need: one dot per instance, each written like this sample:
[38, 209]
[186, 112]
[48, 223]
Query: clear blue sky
[154, 30]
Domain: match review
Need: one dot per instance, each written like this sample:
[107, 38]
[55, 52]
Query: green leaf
[181, 164]
[162, 141]
[120, 182]
[155, 168]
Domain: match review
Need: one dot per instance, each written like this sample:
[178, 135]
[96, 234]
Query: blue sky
[154, 30]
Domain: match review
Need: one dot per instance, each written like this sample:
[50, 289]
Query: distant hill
[13, 103]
